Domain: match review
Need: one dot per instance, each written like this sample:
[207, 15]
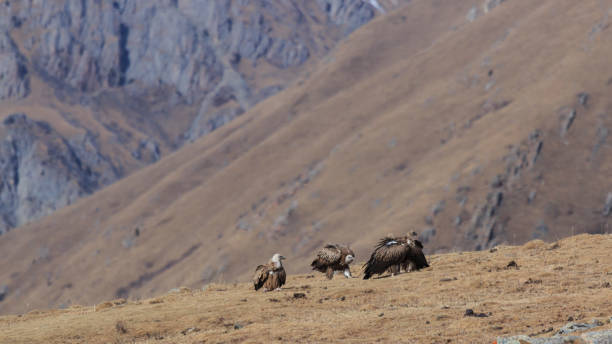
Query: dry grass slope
[570, 278]
[410, 109]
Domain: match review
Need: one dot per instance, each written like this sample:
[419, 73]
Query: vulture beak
[282, 257]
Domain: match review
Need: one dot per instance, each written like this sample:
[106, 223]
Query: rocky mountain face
[170, 70]
[41, 171]
[209, 53]
[14, 81]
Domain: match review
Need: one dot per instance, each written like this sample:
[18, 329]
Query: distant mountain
[471, 124]
[125, 82]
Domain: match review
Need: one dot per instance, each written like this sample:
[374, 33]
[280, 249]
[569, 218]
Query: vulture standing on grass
[271, 276]
[392, 254]
[415, 259]
[332, 258]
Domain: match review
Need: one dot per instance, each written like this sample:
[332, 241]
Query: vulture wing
[415, 254]
[282, 277]
[328, 255]
[388, 252]
[386, 241]
[260, 277]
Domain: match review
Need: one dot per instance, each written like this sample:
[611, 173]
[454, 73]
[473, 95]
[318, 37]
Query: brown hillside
[415, 114]
[552, 283]
[120, 84]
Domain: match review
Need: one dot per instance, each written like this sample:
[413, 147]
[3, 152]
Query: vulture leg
[347, 273]
[329, 273]
[410, 267]
[394, 270]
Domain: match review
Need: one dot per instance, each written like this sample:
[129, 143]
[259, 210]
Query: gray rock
[461, 199]
[498, 181]
[244, 225]
[438, 208]
[607, 205]
[147, 151]
[458, 221]
[602, 136]
[127, 242]
[566, 121]
[285, 217]
[598, 337]
[41, 171]
[573, 327]
[512, 340]
[491, 4]
[534, 135]
[536, 154]
[583, 98]
[463, 189]
[522, 339]
[531, 197]
[429, 220]
[593, 337]
[497, 199]
[347, 14]
[540, 231]
[472, 14]
[191, 330]
[14, 76]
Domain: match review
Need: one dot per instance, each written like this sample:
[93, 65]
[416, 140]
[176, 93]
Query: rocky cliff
[41, 171]
[170, 71]
[14, 80]
[210, 53]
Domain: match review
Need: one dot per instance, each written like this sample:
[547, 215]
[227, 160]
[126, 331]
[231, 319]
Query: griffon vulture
[271, 276]
[415, 259]
[393, 253]
[332, 258]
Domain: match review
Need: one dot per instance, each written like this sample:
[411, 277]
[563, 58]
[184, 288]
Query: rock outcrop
[14, 79]
[348, 14]
[201, 52]
[41, 171]
[491, 4]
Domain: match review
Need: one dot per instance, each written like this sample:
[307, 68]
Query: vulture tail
[316, 265]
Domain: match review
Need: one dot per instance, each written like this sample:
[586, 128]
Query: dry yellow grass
[553, 282]
[380, 127]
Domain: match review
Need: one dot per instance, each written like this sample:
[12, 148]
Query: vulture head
[276, 259]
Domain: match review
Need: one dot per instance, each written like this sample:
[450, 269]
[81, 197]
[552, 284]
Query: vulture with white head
[332, 258]
[271, 276]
